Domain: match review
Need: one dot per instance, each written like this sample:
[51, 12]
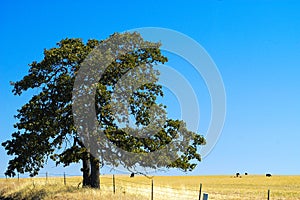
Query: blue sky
[255, 45]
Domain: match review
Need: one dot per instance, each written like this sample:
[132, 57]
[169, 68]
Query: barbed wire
[132, 182]
[119, 185]
[127, 186]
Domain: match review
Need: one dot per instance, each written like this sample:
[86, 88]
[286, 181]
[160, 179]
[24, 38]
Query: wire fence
[124, 185]
[116, 184]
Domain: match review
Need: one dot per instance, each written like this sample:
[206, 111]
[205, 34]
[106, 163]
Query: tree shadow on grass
[25, 194]
[36, 192]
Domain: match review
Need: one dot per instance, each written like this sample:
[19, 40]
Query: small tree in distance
[46, 125]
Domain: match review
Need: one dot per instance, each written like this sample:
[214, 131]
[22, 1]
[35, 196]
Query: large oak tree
[46, 129]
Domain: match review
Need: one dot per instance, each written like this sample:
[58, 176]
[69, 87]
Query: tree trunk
[95, 172]
[86, 171]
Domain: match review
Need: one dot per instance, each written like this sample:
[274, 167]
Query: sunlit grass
[165, 187]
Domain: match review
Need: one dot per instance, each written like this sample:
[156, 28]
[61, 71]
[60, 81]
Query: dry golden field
[249, 187]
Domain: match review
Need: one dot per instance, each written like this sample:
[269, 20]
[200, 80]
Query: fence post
[114, 184]
[200, 190]
[152, 189]
[33, 182]
[46, 177]
[205, 196]
[65, 181]
[268, 194]
[18, 177]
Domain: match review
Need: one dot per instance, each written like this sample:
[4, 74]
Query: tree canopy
[126, 110]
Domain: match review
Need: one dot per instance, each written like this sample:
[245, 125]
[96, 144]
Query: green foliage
[45, 127]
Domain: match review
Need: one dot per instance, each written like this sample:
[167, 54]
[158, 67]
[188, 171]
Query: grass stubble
[249, 187]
